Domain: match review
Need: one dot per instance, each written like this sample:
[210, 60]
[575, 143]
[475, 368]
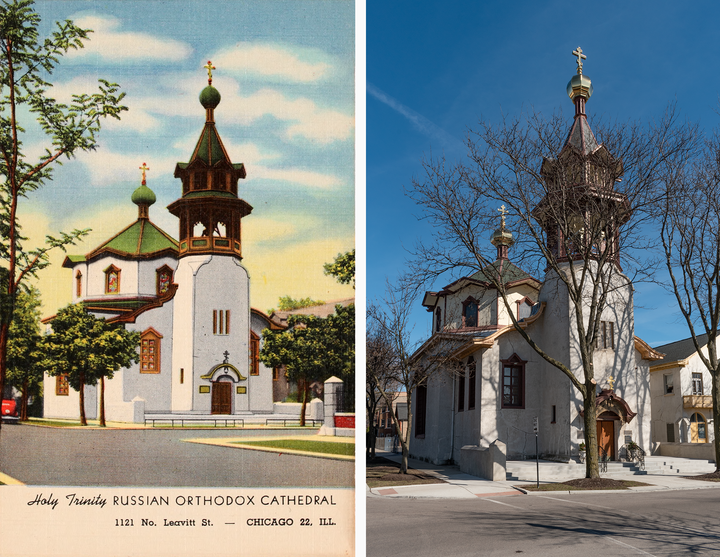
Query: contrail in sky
[419, 121]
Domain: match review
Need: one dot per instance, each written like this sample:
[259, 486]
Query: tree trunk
[590, 421]
[102, 401]
[716, 422]
[305, 389]
[24, 401]
[83, 419]
[404, 437]
[4, 335]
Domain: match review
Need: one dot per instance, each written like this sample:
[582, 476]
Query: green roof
[210, 193]
[508, 271]
[140, 238]
[75, 258]
[210, 148]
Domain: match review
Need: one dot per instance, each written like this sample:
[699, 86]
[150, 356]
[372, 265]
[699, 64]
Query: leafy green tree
[342, 268]
[286, 303]
[312, 349]
[25, 62]
[87, 350]
[24, 359]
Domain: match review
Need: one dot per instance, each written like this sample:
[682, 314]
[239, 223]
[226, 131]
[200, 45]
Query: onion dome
[580, 85]
[143, 196]
[210, 97]
[502, 238]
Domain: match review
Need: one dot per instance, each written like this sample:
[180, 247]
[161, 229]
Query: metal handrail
[292, 421]
[182, 421]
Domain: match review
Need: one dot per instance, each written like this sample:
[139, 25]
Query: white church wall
[128, 277]
[154, 388]
[516, 294]
[260, 388]
[68, 406]
[209, 347]
[147, 274]
[453, 307]
[435, 446]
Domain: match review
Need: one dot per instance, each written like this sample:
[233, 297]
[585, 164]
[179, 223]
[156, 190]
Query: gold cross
[611, 380]
[209, 67]
[144, 169]
[503, 212]
[580, 58]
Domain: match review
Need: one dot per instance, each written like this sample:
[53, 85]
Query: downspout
[452, 422]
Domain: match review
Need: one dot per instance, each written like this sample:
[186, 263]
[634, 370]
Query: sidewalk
[464, 486]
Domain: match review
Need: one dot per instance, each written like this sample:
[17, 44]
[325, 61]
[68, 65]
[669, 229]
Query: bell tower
[211, 315]
[209, 209]
[581, 212]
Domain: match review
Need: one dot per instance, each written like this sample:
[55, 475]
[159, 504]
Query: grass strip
[325, 447]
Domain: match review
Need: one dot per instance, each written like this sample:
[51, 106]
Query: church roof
[509, 272]
[141, 240]
[581, 137]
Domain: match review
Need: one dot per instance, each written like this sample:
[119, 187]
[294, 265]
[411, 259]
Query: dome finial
[502, 238]
[144, 169]
[209, 67]
[580, 57]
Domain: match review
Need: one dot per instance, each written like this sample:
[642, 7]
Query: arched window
[471, 382]
[78, 284]
[112, 280]
[150, 351]
[164, 279]
[438, 320]
[513, 382]
[254, 353]
[698, 428]
[470, 313]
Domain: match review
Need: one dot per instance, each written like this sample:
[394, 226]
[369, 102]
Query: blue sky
[285, 70]
[433, 69]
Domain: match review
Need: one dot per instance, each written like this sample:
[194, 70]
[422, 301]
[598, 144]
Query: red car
[9, 411]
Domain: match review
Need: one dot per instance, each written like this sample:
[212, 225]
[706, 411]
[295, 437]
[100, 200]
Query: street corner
[296, 446]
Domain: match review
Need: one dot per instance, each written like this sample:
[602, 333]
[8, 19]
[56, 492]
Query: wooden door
[606, 438]
[698, 429]
[221, 398]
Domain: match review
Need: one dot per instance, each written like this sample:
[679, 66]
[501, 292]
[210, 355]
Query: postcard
[180, 187]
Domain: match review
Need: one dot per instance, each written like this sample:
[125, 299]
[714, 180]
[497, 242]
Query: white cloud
[113, 45]
[107, 168]
[269, 60]
[298, 176]
[306, 119]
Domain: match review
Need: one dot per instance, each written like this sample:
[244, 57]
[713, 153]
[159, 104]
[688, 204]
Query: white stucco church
[504, 384]
[190, 300]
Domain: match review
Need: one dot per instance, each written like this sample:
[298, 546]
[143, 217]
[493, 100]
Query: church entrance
[221, 398]
[606, 438]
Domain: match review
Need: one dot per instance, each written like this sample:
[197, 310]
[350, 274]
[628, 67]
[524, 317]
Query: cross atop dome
[209, 67]
[144, 169]
[580, 57]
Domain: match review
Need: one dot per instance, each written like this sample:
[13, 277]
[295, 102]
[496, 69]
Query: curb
[7, 480]
[238, 445]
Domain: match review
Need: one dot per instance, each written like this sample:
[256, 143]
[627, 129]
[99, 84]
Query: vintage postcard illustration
[177, 234]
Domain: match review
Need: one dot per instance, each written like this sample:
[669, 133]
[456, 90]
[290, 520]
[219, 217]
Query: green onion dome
[210, 97]
[143, 196]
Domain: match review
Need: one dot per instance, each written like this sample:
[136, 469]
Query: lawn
[382, 472]
[311, 446]
[584, 484]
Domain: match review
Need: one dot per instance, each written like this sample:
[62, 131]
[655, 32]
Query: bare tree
[379, 378]
[578, 207]
[690, 232]
[411, 366]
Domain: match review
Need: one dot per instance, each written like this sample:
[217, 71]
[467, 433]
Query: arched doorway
[221, 396]
[606, 434]
[698, 428]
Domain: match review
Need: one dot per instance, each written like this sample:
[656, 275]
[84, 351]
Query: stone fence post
[332, 386]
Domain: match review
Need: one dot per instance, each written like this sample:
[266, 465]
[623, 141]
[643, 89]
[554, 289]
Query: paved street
[58, 456]
[665, 523]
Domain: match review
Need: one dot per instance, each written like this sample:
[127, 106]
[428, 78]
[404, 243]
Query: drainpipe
[452, 422]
